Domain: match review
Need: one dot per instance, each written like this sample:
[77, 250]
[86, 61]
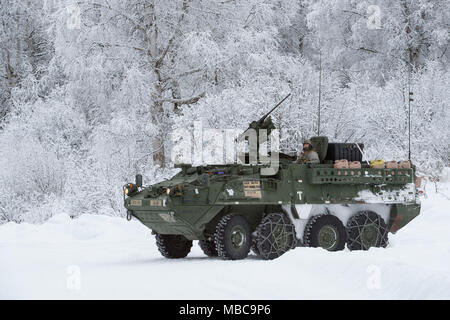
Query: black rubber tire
[173, 246]
[355, 225]
[314, 226]
[267, 244]
[254, 247]
[223, 237]
[208, 247]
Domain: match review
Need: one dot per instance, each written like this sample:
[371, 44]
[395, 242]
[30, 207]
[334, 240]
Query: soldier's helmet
[307, 141]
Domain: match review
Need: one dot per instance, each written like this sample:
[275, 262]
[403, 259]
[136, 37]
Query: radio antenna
[409, 112]
[320, 92]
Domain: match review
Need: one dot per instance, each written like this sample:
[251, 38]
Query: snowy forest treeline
[91, 90]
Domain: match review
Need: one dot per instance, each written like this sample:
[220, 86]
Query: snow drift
[95, 257]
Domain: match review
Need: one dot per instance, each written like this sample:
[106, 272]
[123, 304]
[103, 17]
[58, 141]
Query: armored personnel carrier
[232, 209]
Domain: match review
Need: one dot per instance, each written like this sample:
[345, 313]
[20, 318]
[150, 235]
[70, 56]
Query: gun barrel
[265, 116]
[273, 109]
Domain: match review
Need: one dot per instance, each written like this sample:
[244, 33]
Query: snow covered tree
[376, 37]
[25, 48]
[90, 91]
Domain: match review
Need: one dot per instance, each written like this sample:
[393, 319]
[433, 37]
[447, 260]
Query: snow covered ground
[96, 257]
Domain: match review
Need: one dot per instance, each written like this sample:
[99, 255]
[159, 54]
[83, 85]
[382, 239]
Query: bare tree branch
[126, 17]
[106, 45]
[377, 52]
[172, 38]
[191, 100]
[184, 74]
[354, 12]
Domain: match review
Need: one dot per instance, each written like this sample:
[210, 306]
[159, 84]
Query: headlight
[129, 188]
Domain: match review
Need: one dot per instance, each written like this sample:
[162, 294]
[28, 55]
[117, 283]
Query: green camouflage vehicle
[232, 209]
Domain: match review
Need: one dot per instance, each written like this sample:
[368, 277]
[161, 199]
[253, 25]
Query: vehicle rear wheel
[366, 229]
[173, 246]
[208, 247]
[275, 235]
[325, 231]
[232, 237]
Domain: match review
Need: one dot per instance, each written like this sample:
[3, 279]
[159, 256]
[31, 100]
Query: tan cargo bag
[404, 165]
[354, 165]
[418, 182]
[341, 164]
[391, 165]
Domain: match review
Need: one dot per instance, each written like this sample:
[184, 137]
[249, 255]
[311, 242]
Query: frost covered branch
[160, 59]
[190, 100]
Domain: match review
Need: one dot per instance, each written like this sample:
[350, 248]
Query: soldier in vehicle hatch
[308, 155]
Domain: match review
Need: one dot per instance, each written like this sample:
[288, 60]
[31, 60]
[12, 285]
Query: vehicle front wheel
[173, 246]
[232, 237]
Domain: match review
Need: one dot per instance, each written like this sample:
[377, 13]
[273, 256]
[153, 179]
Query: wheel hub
[369, 235]
[281, 237]
[238, 237]
[328, 237]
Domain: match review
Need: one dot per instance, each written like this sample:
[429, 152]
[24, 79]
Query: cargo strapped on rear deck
[361, 176]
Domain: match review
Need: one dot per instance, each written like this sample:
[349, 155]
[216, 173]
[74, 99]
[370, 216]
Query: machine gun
[262, 123]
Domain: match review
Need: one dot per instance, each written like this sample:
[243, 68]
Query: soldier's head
[307, 146]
